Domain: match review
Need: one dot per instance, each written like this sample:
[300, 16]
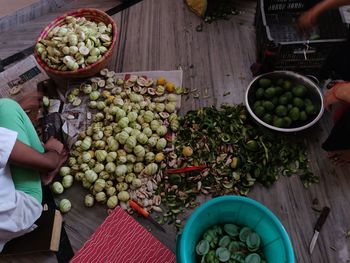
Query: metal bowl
[314, 94]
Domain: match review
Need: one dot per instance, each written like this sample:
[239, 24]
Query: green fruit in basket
[294, 113]
[287, 85]
[303, 116]
[289, 95]
[299, 90]
[268, 105]
[310, 109]
[275, 101]
[257, 103]
[259, 111]
[265, 82]
[268, 118]
[278, 122]
[279, 82]
[259, 94]
[298, 102]
[278, 90]
[281, 110]
[270, 92]
[283, 100]
[307, 102]
[287, 121]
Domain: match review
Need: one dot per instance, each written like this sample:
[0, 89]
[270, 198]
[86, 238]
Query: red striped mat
[122, 239]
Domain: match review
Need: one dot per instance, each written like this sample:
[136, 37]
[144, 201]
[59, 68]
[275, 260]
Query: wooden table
[161, 34]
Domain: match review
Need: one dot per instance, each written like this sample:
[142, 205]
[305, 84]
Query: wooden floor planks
[161, 34]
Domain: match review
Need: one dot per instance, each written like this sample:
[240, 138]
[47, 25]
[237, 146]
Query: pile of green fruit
[283, 104]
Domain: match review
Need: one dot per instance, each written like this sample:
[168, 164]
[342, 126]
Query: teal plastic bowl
[242, 211]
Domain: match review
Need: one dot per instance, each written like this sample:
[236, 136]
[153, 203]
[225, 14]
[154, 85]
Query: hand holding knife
[318, 226]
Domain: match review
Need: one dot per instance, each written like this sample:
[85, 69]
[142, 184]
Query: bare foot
[47, 178]
[339, 157]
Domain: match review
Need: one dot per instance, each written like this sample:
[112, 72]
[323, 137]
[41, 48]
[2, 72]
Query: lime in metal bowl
[313, 90]
[239, 210]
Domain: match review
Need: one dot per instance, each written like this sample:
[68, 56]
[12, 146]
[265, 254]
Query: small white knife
[318, 226]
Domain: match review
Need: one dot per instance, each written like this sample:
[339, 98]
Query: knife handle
[322, 218]
[138, 208]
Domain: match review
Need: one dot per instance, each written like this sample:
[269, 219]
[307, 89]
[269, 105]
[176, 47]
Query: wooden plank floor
[160, 34]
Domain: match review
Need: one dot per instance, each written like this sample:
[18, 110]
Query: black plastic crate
[281, 47]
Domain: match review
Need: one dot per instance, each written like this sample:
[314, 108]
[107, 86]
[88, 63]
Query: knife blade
[320, 221]
[145, 214]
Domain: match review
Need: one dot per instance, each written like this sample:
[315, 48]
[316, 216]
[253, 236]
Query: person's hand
[307, 21]
[57, 161]
[53, 144]
[31, 100]
[332, 95]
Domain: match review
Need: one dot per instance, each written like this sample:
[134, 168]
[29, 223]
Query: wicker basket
[93, 15]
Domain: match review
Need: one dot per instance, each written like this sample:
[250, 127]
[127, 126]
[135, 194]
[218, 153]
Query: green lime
[287, 85]
[278, 122]
[298, 102]
[278, 90]
[259, 111]
[269, 92]
[299, 90]
[287, 121]
[251, 145]
[289, 107]
[259, 94]
[274, 101]
[294, 113]
[307, 102]
[279, 82]
[303, 116]
[257, 103]
[283, 100]
[281, 110]
[289, 95]
[310, 109]
[265, 82]
[267, 118]
[268, 105]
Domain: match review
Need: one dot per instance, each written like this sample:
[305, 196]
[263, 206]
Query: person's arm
[338, 93]
[23, 155]
[308, 19]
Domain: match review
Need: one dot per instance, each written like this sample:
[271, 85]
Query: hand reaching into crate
[309, 18]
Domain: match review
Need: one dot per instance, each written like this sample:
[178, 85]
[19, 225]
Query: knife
[145, 213]
[318, 226]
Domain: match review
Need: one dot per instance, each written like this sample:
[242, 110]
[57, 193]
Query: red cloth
[120, 239]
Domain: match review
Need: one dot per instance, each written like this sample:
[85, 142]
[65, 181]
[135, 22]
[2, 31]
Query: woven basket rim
[80, 71]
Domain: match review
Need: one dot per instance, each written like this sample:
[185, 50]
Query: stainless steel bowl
[313, 89]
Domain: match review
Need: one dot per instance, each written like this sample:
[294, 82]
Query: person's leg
[14, 118]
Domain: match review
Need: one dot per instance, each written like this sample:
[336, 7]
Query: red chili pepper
[186, 169]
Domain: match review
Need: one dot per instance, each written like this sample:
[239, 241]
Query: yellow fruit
[161, 81]
[159, 157]
[187, 151]
[170, 87]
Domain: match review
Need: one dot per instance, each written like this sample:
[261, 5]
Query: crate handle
[305, 51]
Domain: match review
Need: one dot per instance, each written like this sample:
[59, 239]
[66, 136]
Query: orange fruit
[187, 151]
[161, 81]
[170, 87]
